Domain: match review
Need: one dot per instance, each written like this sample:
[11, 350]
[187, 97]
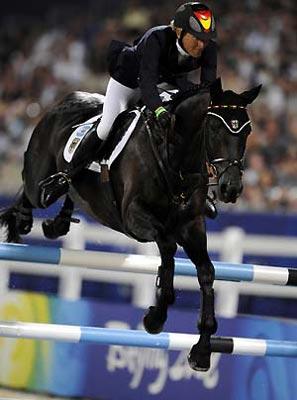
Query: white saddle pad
[77, 135]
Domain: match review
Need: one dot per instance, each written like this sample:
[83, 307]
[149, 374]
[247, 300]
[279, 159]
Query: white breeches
[116, 101]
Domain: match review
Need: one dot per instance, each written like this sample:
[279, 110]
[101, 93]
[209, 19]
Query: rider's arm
[209, 63]
[149, 72]
[183, 83]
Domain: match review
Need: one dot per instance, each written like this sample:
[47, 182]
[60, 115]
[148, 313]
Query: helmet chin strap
[179, 45]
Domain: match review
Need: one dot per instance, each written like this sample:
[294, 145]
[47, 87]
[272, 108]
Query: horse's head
[227, 127]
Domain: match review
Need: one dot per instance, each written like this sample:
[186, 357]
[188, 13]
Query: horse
[157, 187]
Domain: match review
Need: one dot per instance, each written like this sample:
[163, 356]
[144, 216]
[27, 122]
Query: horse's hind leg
[54, 228]
[157, 315]
[24, 217]
[17, 219]
[195, 244]
[38, 164]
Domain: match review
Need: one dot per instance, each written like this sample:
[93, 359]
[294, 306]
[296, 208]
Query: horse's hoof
[24, 222]
[49, 231]
[199, 358]
[25, 227]
[54, 228]
[198, 366]
[152, 322]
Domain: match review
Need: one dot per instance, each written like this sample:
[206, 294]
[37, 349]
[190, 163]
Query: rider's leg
[116, 100]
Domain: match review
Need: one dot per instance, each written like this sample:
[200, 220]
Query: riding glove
[164, 117]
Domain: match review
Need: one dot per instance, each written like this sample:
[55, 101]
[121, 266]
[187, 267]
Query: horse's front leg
[140, 221]
[60, 225]
[156, 316]
[194, 241]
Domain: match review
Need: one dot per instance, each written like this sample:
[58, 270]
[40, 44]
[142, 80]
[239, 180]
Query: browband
[226, 124]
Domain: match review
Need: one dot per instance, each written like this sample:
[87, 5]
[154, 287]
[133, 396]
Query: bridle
[229, 162]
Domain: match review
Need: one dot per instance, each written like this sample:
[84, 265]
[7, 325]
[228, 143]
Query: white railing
[231, 244]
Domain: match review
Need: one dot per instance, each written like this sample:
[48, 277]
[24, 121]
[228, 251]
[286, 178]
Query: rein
[172, 178]
[157, 155]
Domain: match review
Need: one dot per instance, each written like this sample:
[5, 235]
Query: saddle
[120, 133]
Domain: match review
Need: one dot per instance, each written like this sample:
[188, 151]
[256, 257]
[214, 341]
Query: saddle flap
[120, 133]
[80, 130]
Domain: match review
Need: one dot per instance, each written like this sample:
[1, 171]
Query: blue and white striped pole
[144, 264]
[168, 341]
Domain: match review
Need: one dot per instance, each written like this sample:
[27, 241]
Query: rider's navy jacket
[154, 58]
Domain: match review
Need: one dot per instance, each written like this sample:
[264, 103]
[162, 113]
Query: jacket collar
[181, 51]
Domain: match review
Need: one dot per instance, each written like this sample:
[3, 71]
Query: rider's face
[193, 46]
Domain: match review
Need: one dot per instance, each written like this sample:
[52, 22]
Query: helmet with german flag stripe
[195, 18]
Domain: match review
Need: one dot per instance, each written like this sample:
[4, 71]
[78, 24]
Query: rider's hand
[164, 118]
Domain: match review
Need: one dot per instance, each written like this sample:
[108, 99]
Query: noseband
[233, 131]
[230, 163]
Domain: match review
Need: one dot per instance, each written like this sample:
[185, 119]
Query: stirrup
[53, 187]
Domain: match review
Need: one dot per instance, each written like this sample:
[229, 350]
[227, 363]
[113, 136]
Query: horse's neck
[194, 155]
[190, 118]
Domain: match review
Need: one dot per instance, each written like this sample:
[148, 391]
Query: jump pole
[144, 264]
[137, 338]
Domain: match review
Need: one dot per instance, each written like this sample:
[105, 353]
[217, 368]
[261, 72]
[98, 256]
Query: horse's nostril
[230, 192]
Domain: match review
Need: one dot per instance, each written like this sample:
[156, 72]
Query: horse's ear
[250, 95]
[216, 90]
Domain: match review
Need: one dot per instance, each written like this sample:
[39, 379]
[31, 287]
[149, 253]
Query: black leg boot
[210, 208]
[58, 184]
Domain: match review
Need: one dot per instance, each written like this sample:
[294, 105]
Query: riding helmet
[195, 18]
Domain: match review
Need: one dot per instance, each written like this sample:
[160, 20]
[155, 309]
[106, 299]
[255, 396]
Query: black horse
[159, 186]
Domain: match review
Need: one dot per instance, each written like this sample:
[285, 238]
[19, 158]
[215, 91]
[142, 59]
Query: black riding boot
[58, 184]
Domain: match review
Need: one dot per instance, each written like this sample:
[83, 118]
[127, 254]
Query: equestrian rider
[163, 54]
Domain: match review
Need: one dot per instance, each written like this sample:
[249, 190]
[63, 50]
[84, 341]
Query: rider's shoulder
[160, 29]
[212, 45]
[210, 50]
[161, 32]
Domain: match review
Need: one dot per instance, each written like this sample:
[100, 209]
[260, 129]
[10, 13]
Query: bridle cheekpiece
[234, 129]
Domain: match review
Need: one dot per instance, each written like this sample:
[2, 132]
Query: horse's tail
[8, 220]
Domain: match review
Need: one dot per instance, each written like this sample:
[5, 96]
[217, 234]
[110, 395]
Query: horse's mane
[180, 96]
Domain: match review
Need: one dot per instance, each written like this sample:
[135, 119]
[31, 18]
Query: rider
[163, 54]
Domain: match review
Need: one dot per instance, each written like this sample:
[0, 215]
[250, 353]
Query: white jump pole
[144, 264]
[137, 338]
